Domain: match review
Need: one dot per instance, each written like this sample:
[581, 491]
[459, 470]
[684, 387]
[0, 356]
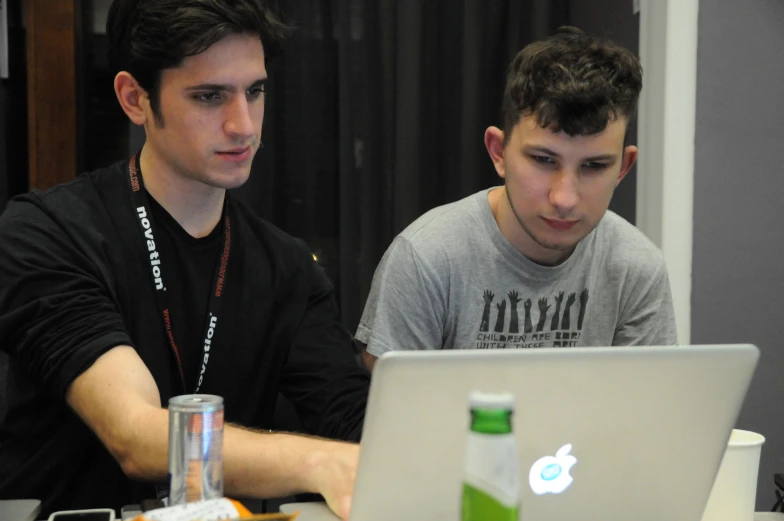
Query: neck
[197, 207]
[517, 236]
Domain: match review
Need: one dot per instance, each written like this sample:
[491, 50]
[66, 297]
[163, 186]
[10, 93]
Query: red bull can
[195, 448]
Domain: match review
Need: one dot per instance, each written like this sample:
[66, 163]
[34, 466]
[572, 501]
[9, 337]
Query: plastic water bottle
[491, 483]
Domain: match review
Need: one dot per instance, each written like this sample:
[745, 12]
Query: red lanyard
[151, 255]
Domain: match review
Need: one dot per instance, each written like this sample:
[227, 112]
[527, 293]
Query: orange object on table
[211, 510]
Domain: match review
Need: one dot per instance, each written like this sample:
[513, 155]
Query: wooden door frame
[54, 73]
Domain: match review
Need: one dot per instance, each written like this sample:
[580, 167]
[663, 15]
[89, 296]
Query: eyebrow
[224, 88]
[545, 150]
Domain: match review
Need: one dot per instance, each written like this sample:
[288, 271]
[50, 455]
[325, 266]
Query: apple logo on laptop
[550, 474]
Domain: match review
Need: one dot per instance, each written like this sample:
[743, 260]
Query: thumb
[344, 507]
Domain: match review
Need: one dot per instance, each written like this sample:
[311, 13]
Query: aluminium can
[195, 448]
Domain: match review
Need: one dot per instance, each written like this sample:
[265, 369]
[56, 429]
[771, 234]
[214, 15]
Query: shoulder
[627, 249]
[445, 229]
[82, 201]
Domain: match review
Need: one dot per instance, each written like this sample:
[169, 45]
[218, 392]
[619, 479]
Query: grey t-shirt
[452, 280]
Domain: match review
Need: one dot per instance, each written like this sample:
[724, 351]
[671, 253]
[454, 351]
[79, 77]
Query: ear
[494, 143]
[629, 158]
[133, 99]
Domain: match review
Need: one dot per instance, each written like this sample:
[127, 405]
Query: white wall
[665, 184]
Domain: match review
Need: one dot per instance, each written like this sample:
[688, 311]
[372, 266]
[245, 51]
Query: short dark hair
[572, 82]
[148, 36]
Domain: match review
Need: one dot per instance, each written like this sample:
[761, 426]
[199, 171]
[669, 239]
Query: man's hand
[118, 399]
[333, 468]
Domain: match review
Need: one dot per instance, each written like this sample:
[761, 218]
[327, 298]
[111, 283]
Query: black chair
[3, 384]
[778, 481]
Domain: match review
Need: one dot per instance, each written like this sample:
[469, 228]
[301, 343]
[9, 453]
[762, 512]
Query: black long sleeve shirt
[73, 284]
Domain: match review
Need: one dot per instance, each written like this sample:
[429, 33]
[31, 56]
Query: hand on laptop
[332, 470]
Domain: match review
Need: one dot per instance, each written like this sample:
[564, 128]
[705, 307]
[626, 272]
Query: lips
[559, 224]
[235, 154]
[235, 151]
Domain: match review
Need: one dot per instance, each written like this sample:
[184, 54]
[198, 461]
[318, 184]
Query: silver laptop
[648, 427]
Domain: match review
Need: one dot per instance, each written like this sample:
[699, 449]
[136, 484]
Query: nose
[565, 192]
[239, 120]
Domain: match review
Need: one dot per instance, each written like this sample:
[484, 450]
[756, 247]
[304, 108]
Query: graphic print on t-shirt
[563, 329]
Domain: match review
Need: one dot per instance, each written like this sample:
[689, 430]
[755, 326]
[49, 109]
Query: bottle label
[491, 466]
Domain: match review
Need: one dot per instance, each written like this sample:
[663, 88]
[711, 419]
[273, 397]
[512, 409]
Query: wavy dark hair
[148, 36]
[572, 82]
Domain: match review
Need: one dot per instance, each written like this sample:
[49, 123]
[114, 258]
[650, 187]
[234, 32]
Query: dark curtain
[13, 135]
[376, 113]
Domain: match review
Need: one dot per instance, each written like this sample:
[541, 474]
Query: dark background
[375, 114]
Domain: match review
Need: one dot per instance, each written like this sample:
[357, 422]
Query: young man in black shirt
[146, 280]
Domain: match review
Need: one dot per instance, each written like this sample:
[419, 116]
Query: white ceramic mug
[734, 491]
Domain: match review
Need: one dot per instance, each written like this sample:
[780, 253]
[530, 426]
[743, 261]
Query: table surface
[314, 511]
[320, 512]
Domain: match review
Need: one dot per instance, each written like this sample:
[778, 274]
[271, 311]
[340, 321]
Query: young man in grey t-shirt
[539, 261]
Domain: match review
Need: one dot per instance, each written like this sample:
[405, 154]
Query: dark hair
[572, 82]
[147, 36]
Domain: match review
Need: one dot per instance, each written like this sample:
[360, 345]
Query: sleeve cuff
[373, 346]
[86, 357]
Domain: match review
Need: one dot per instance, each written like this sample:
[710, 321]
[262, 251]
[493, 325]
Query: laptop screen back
[645, 427]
